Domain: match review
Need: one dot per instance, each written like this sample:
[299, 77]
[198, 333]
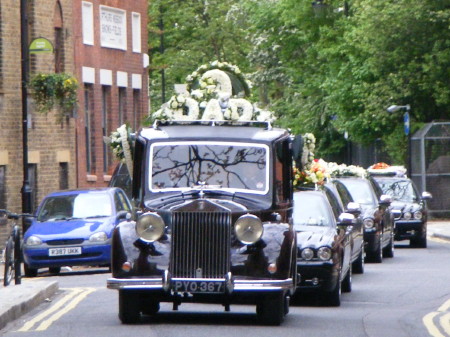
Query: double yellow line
[443, 319]
[56, 311]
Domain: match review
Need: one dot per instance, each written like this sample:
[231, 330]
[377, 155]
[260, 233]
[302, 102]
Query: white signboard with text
[113, 28]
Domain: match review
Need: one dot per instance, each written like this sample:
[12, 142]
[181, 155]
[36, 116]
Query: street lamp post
[406, 124]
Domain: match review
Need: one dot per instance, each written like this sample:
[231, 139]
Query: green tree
[193, 32]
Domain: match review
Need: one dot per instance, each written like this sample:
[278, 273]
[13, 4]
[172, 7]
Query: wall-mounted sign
[40, 46]
[113, 28]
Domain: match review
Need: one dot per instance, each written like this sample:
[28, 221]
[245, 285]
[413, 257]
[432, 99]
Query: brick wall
[48, 141]
[97, 57]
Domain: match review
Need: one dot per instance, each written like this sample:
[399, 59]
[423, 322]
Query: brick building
[103, 44]
[111, 61]
[51, 143]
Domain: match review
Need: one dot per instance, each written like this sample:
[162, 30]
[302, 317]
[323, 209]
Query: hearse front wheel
[272, 308]
[129, 307]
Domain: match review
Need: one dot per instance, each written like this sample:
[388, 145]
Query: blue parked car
[74, 228]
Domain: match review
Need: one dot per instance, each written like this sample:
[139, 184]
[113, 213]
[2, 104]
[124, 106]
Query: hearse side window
[283, 172]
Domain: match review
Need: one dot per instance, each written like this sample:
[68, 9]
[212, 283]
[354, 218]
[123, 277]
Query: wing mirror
[385, 200]
[346, 219]
[122, 215]
[354, 208]
[426, 195]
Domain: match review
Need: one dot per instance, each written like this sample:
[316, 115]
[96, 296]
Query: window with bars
[89, 128]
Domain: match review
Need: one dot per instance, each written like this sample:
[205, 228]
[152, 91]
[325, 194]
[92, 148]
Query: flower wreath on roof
[342, 170]
[209, 96]
[316, 174]
[386, 169]
[196, 76]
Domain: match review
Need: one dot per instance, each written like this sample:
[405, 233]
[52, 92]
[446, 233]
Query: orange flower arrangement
[380, 165]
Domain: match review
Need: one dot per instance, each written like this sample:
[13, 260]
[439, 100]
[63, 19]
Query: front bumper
[318, 276]
[166, 284]
[92, 255]
[407, 229]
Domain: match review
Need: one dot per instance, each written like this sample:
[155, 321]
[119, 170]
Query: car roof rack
[266, 124]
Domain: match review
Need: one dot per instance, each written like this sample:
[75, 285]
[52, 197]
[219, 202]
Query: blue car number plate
[64, 251]
[198, 286]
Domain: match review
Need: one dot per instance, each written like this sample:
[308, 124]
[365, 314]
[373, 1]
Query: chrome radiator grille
[200, 244]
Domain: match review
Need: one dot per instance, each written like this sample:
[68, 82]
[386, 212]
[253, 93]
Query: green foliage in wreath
[50, 90]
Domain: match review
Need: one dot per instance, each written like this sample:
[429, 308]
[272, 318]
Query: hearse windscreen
[238, 167]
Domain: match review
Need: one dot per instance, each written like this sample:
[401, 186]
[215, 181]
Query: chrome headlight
[324, 253]
[249, 229]
[33, 241]
[307, 254]
[150, 227]
[98, 237]
[407, 215]
[418, 215]
[368, 223]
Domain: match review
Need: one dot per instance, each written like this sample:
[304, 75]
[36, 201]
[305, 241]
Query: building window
[59, 39]
[136, 108]
[106, 104]
[63, 176]
[89, 128]
[122, 105]
[136, 31]
[88, 23]
[3, 187]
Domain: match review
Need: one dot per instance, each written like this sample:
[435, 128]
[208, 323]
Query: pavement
[17, 300]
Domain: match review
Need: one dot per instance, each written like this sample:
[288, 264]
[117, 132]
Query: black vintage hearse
[214, 219]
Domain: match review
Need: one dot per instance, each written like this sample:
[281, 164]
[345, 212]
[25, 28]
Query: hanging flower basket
[54, 90]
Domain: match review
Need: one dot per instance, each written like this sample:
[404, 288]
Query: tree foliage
[329, 70]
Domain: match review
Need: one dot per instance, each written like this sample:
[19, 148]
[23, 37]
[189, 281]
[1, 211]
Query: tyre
[129, 307]
[8, 274]
[347, 281]
[358, 264]
[54, 270]
[333, 298]
[271, 309]
[30, 272]
[419, 241]
[388, 251]
[376, 256]
[150, 307]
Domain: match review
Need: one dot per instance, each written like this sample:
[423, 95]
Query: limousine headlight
[324, 253]
[368, 223]
[248, 229]
[418, 215]
[150, 227]
[307, 254]
[407, 215]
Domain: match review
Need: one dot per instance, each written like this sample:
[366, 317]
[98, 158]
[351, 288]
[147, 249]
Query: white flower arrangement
[212, 98]
[342, 170]
[308, 149]
[213, 111]
[121, 144]
[224, 66]
[219, 79]
[242, 109]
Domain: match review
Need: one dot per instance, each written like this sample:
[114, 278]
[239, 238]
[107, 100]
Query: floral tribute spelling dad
[215, 91]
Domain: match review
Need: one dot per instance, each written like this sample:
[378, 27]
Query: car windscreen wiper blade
[96, 216]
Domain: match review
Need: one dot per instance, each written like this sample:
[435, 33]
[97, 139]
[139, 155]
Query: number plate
[64, 251]
[198, 286]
